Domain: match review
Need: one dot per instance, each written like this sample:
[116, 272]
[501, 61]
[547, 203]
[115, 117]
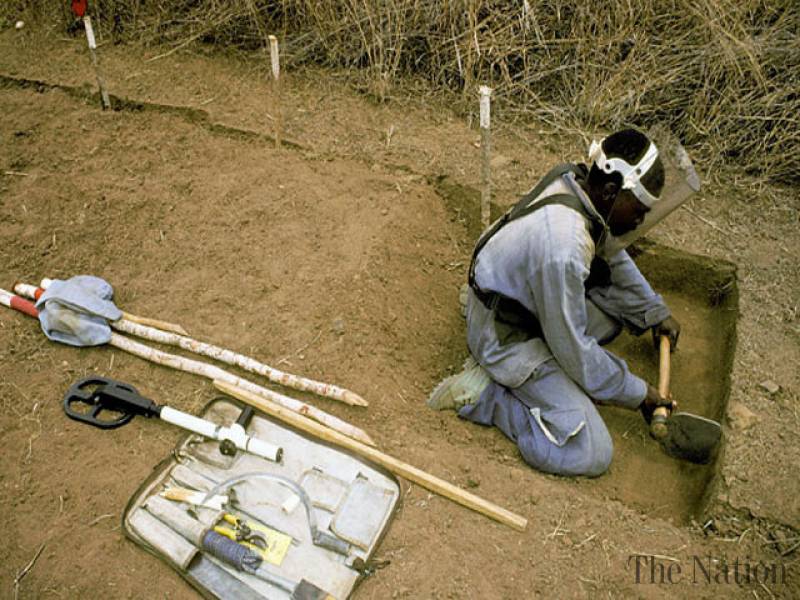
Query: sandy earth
[340, 260]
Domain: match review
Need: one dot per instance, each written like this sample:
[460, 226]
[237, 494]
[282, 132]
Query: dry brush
[723, 74]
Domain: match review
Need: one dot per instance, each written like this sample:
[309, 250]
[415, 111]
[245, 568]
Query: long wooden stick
[208, 371]
[238, 360]
[212, 372]
[155, 323]
[426, 480]
[139, 327]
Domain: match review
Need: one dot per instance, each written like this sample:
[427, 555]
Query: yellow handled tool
[271, 545]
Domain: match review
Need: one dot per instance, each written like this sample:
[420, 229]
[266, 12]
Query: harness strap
[512, 215]
[525, 206]
[507, 310]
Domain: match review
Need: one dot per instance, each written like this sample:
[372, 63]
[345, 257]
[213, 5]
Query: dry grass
[723, 74]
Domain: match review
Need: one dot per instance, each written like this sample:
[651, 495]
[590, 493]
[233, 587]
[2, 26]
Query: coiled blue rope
[228, 551]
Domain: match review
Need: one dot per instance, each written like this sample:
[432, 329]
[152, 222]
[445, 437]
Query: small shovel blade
[691, 437]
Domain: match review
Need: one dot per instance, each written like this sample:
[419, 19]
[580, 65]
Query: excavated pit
[702, 294]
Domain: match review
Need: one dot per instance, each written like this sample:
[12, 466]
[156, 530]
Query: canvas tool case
[351, 500]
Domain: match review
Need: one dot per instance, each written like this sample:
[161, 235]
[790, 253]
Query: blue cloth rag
[77, 311]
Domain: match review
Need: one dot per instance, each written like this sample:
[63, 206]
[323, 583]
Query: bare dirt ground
[339, 260]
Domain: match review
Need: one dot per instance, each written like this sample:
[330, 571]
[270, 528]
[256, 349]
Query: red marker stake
[17, 303]
[79, 9]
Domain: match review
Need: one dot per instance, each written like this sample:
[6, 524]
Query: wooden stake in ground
[486, 152]
[421, 478]
[87, 24]
[274, 57]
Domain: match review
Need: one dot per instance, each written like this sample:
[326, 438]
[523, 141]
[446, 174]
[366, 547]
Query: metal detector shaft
[234, 434]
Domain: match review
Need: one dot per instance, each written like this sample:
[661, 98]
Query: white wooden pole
[486, 150]
[208, 371]
[235, 359]
[141, 327]
[274, 56]
[87, 25]
[213, 372]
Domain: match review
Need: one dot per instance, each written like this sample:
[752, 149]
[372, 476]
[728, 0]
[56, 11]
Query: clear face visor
[680, 182]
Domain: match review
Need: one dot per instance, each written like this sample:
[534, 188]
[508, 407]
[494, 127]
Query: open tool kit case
[235, 525]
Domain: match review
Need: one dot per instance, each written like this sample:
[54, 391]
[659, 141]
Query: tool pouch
[323, 554]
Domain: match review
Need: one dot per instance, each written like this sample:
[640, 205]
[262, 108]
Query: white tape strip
[290, 504]
[25, 290]
[274, 56]
[87, 23]
[486, 99]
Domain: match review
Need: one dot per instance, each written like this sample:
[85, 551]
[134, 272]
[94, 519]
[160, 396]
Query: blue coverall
[543, 389]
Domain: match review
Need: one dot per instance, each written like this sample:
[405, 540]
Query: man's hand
[669, 327]
[652, 401]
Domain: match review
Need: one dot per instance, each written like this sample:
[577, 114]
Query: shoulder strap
[524, 207]
[550, 177]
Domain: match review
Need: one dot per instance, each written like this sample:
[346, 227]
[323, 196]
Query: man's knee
[587, 454]
[599, 453]
[590, 456]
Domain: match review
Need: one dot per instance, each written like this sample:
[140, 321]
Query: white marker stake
[87, 25]
[486, 149]
[276, 76]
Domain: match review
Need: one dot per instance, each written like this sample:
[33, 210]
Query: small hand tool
[194, 497]
[682, 435]
[320, 538]
[241, 532]
[103, 396]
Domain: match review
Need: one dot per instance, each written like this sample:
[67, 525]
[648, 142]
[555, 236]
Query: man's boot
[460, 389]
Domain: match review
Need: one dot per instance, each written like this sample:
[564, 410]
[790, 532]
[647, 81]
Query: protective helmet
[631, 174]
[680, 182]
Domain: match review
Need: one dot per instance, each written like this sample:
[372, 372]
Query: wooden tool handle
[658, 424]
[409, 472]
